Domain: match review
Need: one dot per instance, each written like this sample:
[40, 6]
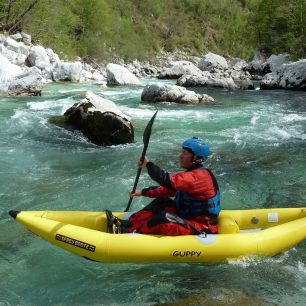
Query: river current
[258, 139]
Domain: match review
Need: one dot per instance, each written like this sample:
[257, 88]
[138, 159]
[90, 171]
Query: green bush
[138, 29]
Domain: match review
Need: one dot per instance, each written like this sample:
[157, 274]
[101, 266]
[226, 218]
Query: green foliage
[130, 29]
[281, 26]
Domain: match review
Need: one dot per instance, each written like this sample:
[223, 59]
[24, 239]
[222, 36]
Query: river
[258, 139]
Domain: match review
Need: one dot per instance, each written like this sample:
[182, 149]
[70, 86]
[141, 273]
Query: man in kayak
[196, 202]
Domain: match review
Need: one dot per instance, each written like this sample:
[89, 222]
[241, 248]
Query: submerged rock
[160, 92]
[100, 121]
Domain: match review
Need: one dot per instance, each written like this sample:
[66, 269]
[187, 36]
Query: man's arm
[159, 176]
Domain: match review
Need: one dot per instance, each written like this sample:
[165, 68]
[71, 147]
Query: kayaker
[196, 202]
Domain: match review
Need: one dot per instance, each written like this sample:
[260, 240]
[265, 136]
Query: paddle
[145, 140]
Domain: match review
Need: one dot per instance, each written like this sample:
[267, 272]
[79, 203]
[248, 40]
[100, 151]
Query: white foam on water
[144, 113]
[40, 105]
[136, 113]
[278, 132]
[21, 115]
[128, 92]
[302, 268]
[18, 114]
[254, 119]
[265, 133]
[237, 138]
[293, 118]
[303, 136]
[245, 261]
[72, 90]
[254, 260]
[60, 106]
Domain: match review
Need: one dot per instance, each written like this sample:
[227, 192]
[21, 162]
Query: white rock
[26, 38]
[53, 57]
[288, 76]
[11, 44]
[119, 75]
[16, 36]
[160, 92]
[29, 82]
[67, 71]
[38, 57]
[75, 71]
[212, 61]
[7, 69]
[178, 68]
[275, 62]
[103, 105]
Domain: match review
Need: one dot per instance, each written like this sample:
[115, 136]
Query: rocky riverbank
[25, 67]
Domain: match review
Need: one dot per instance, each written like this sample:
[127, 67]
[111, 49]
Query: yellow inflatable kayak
[256, 232]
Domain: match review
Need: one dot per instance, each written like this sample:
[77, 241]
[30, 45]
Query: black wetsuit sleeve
[158, 175]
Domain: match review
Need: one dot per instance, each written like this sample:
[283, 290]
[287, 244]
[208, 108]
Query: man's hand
[142, 164]
[137, 193]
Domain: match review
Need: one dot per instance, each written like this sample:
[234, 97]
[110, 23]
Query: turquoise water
[259, 144]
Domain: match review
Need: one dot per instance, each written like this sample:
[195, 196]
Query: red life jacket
[189, 206]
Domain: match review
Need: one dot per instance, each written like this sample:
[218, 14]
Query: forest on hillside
[139, 29]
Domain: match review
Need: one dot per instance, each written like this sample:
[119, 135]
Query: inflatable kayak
[255, 232]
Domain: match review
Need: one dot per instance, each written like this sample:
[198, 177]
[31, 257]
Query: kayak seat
[227, 225]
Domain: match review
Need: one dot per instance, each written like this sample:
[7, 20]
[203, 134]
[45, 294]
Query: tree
[15, 25]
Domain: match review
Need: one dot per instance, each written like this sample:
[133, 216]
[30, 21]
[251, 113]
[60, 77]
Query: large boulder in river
[100, 120]
[288, 76]
[159, 92]
[177, 69]
[119, 75]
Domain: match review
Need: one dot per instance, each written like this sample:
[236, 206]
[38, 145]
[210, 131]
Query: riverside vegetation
[139, 29]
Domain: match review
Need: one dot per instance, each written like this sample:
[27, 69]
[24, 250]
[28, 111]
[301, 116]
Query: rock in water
[159, 92]
[100, 121]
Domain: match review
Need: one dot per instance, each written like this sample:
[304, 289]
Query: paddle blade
[147, 131]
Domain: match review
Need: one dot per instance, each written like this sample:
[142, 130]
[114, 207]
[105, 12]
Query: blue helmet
[197, 146]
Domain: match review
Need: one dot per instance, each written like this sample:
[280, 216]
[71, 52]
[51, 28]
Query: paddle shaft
[135, 185]
[146, 139]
